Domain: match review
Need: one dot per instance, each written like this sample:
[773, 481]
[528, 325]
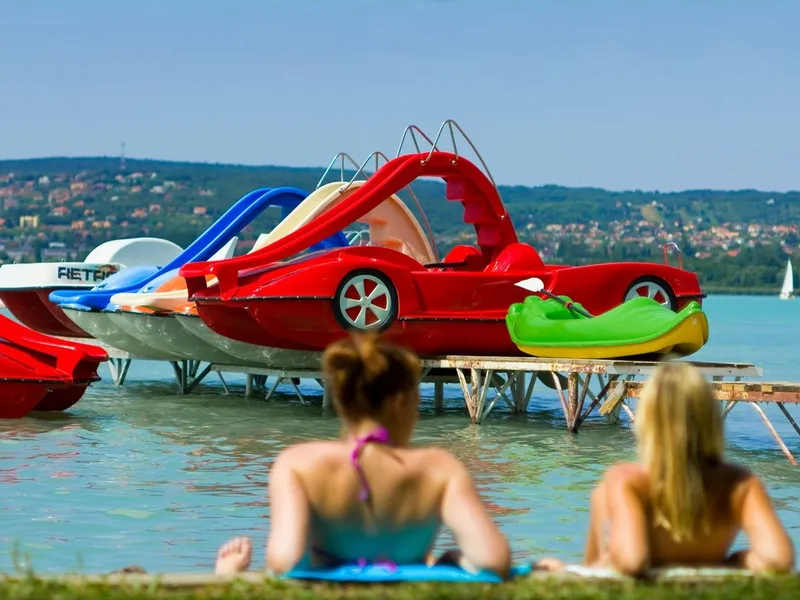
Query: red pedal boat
[39, 372]
[274, 297]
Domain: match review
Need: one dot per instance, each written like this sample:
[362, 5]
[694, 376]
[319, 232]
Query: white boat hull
[164, 334]
[266, 357]
[25, 288]
[101, 327]
[62, 275]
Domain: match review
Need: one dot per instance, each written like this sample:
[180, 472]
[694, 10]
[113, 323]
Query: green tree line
[532, 208]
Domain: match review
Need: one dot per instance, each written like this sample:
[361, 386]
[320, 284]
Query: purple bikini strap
[379, 436]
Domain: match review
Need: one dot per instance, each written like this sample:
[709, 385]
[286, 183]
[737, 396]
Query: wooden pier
[582, 386]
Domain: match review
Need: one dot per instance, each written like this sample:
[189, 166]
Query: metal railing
[413, 130]
[415, 134]
[356, 237]
[341, 157]
[452, 127]
[672, 246]
[376, 156]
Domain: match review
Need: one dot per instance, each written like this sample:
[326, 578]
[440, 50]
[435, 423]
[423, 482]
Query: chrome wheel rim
[652, 290]
[365, 303]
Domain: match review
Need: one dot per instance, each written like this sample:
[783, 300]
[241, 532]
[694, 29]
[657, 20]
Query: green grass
[551, 588]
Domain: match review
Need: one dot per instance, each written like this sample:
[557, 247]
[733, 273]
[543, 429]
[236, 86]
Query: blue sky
[636, 94]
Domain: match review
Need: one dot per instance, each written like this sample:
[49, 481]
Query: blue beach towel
[386, 574]
[453, 574]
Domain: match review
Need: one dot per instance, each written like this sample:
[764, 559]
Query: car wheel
[365, 300]
[655, 288]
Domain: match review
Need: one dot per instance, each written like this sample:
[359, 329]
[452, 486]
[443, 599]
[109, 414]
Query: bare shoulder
[626, 476]
[303, 453]
[623, 473]
[439, 459]
[739, 480]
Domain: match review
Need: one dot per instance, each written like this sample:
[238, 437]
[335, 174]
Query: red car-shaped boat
[42, 373]
[457, 306]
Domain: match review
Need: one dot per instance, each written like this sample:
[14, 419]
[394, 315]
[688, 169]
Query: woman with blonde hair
[682, 504]
[369, 497]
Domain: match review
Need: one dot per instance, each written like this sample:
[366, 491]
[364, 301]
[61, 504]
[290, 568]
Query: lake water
[141, 475]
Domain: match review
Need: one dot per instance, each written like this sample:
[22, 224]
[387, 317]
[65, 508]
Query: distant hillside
[57, 208]
[538, 206]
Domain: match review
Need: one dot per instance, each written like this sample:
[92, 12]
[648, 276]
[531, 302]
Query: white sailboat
[787, 291]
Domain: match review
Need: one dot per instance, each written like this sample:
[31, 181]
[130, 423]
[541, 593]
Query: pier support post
[572, 401]
[616, 392]
[118, 367]
[326, 396]
[521, 393]
[784, 448]
[438, 396]
[476, 390]
[188, 374]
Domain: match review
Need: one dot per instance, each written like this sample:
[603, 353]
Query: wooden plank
[750, 391]
[612, 367]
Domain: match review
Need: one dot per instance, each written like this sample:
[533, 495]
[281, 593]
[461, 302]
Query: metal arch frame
[452, 126]
[376, 156]
[672, 246]
[341, 157]
[411, 132]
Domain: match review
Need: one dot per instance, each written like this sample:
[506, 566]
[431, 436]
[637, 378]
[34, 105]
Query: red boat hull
[297, 306]
[67, 323]
[33, 309]
[235, 322]
[61, 399]
[311, 325]
[19, 398]
[40, 372]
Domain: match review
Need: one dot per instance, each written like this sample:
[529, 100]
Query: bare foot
[549, 564]
[234, 556]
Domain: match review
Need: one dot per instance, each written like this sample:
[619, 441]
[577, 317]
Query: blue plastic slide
[236, 218]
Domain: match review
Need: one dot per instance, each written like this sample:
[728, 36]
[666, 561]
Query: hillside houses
[80, 210]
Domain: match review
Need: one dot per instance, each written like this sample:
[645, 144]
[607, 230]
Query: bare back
[725, 488]
[406, 488]
[412, 492]
[624, 531]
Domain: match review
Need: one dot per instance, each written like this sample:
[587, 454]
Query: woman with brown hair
[681, 504]
[369, 497]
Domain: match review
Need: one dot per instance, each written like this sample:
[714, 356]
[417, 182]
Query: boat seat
[465, 258]
[516, 257]
[392, 225]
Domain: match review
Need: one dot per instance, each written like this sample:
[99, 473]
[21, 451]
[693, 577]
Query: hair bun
[343, 358]
[365, 371]
[373, 360]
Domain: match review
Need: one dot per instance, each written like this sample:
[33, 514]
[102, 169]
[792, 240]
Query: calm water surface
[142, 475]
